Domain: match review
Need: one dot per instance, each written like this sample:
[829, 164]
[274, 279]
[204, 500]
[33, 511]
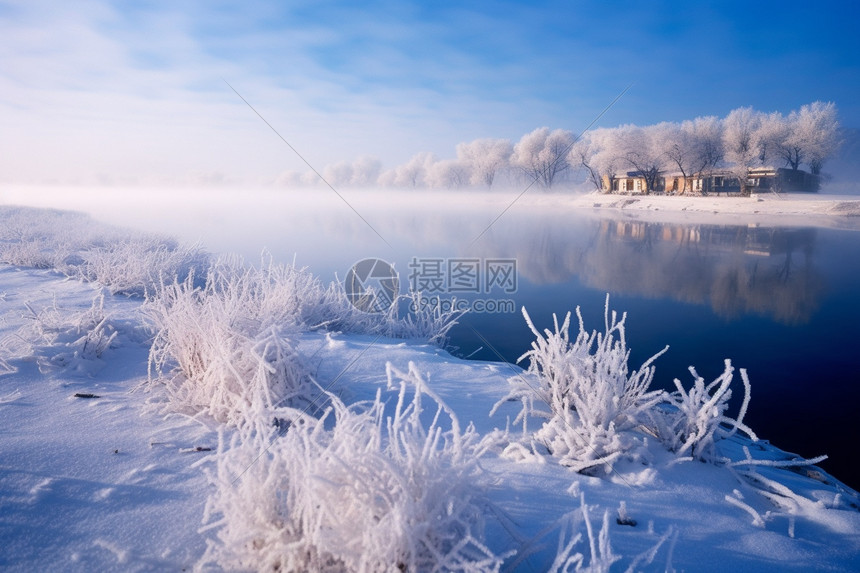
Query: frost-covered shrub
[213, 342]
[597, 411]
[421, 321]
[356, 490]
[217, 346]
[584, 390]
[696, 417]
[410, 317]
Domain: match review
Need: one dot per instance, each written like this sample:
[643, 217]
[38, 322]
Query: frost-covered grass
[218, 346]
[137, 265]
[64, 338]
[590, 395]
[72, 243]
[354, 490]
[595, 411]
[696, 418]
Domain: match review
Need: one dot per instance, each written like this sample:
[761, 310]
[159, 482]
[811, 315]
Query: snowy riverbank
[787, 209]
[106, 483]
[109, 465]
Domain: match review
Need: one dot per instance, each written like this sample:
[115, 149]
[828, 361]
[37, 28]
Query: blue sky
[99, 90]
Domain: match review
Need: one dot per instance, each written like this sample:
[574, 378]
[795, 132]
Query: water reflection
[736, 270]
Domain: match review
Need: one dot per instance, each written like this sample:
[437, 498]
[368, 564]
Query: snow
[786, 209]
[90, 484]
[104, 467]
[110, 483]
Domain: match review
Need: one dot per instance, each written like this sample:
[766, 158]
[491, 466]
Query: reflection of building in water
[735, 269]
[752, 240]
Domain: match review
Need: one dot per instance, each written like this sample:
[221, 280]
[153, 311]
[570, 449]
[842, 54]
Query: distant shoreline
[832, 211]
[768, 209]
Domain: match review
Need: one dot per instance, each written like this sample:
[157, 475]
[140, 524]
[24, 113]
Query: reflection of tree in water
[784, 285]
[737, 270]
[548, 251]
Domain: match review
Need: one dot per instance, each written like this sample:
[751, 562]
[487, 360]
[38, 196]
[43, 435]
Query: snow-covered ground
[785, 209]
[96, 475]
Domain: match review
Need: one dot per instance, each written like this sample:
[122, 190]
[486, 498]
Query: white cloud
[90, 91]
[101, 89]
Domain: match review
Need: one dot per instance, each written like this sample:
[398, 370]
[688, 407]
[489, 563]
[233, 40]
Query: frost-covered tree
[693, 146]
[365, 171]
[599, 153]
[338, 174]
[771, 131]
[448, 174]
[289, 179]
[582, 156]
[677, 146]
[362, 172]
[819, 120]
[387, 177]
[742, 143]
[809, 136]
[485, 158]
[642, 150]
[707, 135]
[606, 159]
[310, 178]
[413, 173]
[542, 155]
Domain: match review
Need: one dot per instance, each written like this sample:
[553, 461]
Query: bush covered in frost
[420, 320]
[584, 391]
[215, 343]
[356, 490]
[697, 417]
[218, 345]
[596, 411]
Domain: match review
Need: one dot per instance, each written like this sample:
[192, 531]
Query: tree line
[743, 140]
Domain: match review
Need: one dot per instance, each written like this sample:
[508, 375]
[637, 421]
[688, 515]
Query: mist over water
[780, 302]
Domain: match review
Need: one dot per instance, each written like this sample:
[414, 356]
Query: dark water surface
[780, 302]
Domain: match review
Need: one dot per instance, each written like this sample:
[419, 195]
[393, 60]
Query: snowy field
[246, 418]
